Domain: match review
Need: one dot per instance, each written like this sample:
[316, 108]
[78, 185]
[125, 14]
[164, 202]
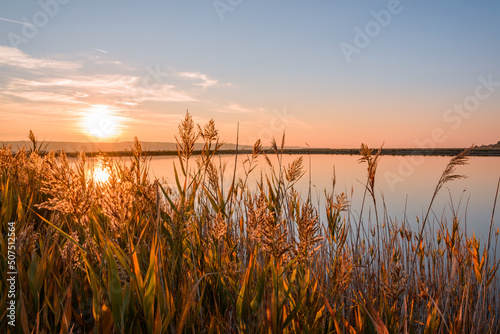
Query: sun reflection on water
[101, 172]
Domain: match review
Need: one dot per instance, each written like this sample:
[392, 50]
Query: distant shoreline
[123, 149]
[478, 151]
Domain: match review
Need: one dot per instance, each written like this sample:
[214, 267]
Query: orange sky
[102, 72]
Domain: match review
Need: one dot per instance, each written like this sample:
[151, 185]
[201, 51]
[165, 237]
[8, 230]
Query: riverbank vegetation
[128, 254]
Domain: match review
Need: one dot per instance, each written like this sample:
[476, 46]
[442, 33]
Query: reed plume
[129, 255]
[187, 137]
[309, 229]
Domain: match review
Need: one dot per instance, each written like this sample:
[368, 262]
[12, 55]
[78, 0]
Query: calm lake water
[403, 181]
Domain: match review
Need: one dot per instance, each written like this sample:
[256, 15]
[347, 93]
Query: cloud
[54, 93]
[113, 89]
[57, 91]
[45, 96]
[165, 93]
[73, 87]
[206, 81]
[105, 83]
[233, 108]
[68, 85]
[14, 57]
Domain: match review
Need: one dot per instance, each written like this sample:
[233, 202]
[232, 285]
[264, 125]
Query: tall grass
[133, 255]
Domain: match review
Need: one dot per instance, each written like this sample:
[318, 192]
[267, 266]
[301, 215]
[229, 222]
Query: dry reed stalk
[308, 228]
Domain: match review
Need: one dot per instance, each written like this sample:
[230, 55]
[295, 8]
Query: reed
[131, 254]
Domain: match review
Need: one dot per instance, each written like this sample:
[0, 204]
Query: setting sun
[100, 122]
[235, 166]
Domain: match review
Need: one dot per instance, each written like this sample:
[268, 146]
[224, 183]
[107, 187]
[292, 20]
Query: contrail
[103, 51]
[14, 21]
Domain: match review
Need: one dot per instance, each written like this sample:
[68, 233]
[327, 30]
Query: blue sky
[110, 70]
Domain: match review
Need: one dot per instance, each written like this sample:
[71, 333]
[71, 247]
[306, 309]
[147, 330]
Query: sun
[101, 122]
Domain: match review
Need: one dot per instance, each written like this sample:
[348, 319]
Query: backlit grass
[127, 254]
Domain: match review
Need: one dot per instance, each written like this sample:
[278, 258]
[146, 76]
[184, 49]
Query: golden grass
[132, 255]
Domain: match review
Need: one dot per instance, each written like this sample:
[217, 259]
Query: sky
[326, 73]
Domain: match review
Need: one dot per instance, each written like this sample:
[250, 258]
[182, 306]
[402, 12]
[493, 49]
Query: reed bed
[132, 255]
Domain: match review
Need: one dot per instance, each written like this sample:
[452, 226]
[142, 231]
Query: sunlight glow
[100, 122]
[101, 173]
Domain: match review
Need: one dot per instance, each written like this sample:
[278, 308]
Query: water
[403, 184]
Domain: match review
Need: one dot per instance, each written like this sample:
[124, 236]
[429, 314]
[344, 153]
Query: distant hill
[71, 147]
[168, 148]
[497, 145]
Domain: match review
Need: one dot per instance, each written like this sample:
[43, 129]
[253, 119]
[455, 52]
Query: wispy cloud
[14, 57]
[205, 80]
[64, 83]
[15, 21]
[41, 96]
[232, 108]
[55, 92]
[165, 93]
[114, 89]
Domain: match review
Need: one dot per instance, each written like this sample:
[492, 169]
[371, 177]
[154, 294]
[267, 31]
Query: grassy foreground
[130, 255]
